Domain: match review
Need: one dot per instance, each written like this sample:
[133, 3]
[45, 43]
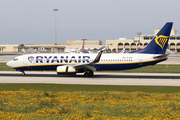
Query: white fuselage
[108, 61]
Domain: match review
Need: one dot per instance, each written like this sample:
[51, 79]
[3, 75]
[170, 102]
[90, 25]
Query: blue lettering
[65, 60]
[47, 59]
[86, 59]
[73, 59]
[79, 60]
[55, 59]
[39, 59]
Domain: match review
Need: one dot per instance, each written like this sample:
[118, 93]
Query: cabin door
[25, 60]
[140, 60]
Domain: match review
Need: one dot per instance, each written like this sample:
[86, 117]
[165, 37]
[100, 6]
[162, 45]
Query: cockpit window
[15, 59]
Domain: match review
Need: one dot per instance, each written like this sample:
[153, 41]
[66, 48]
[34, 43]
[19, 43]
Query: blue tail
[159, 43]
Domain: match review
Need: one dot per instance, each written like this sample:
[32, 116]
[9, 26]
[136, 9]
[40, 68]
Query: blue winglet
[97, 59]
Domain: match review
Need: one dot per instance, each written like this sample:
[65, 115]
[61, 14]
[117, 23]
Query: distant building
[77, 44]
[111, 45]
[87, 42]
[133, 44]
[8, 48]
[32, 48]
[46, 48]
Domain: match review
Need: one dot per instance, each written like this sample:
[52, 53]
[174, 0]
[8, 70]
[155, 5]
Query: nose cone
[8, 63]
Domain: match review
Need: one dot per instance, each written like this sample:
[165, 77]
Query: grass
[4, 67]
[98, 88]
[162, 68]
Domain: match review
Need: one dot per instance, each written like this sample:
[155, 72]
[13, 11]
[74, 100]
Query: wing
[89, 66]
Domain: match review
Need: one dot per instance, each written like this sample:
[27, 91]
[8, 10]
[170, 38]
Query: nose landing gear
[22, 72]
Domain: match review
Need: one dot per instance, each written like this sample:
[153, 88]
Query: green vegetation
[4, 67]
[153, 69]
[72, 88]
[162, 68]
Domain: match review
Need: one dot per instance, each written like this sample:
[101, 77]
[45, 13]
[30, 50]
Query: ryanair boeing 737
[70, 64]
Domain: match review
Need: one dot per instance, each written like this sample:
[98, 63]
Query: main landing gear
[89, 73]
[23, 73]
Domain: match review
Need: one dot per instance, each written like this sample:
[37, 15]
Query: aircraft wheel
[23, 73]
[89, 73]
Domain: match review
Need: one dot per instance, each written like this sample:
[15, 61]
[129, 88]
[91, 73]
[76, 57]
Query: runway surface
[100, 78]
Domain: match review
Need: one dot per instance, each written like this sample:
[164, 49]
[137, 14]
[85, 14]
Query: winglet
[97, 59]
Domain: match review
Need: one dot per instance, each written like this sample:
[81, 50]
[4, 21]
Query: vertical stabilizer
[159, 43]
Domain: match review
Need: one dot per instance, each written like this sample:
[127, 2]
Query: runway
[100, 78]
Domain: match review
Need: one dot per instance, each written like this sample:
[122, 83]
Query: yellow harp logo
[161, 40]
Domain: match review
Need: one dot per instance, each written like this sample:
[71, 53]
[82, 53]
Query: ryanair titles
[59, 59]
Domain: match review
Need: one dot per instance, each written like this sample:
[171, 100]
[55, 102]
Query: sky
[33, 21]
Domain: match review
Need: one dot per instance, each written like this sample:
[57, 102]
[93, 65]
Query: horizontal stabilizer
[160, 56]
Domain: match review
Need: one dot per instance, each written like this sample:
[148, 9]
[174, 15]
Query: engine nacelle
[65, 70]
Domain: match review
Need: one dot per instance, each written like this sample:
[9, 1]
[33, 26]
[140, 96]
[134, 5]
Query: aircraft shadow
[95, 76]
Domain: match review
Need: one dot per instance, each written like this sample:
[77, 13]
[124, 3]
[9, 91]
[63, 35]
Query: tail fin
[159, 43]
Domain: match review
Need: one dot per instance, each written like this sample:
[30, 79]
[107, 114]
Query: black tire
[89, 73]
[23, 74]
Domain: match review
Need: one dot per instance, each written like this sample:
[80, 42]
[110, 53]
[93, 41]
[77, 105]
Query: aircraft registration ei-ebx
[70, 64]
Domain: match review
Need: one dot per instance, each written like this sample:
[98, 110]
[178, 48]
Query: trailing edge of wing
[85, 66]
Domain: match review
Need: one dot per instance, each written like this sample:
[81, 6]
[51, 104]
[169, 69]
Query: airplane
[70, 64]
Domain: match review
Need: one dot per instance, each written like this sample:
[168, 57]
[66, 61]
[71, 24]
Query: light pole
[139, 33]
[55, 28]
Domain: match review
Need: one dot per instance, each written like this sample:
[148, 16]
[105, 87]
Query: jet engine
[66, 70]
